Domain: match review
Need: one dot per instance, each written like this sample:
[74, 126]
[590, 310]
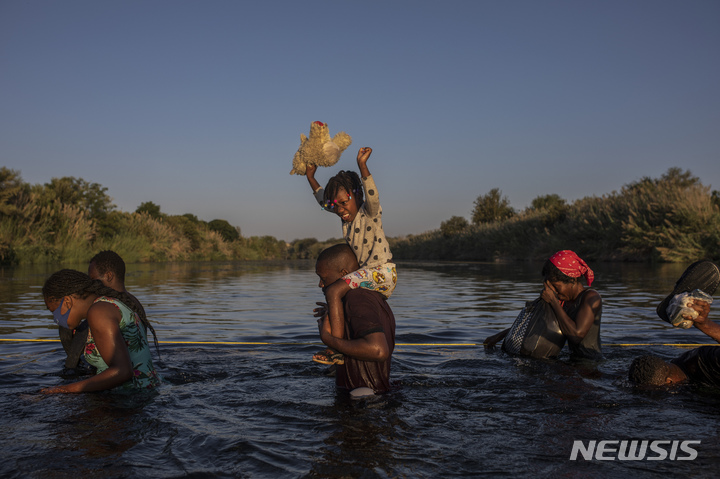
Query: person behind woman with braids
[109, 267]
[116, 345]
[362, 229]
[578, 309]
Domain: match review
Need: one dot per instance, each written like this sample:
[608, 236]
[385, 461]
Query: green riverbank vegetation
[674, 218]
[69, 220]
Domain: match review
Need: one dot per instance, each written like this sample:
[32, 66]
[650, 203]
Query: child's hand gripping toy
[319, 149]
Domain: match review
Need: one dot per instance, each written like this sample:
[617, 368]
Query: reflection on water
[268, 411]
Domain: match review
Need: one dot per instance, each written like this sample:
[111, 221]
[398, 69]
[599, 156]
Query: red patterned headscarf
[572, 265]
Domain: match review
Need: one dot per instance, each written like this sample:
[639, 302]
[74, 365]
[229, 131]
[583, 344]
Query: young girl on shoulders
[356, 202]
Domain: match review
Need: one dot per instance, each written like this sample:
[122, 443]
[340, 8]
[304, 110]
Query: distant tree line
[70, 219]
[671, 218]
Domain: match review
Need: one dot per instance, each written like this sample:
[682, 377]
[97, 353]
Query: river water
[233, 409]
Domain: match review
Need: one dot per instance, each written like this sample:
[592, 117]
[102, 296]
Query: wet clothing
[73, 342]
[381, 278]
[535, 332]
[366, 237]
[701, 365]
[590, 347]
[144, 374]
[138, 307]
[366, 312]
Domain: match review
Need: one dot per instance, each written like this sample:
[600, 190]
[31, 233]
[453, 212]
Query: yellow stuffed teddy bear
[319, 149]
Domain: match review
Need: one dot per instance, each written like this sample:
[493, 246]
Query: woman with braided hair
[361, 217]
[116, 345]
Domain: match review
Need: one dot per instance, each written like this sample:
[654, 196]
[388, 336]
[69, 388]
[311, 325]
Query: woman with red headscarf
[575, 315]
[577, 308]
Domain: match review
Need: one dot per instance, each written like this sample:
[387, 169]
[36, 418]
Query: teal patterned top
[144, 374]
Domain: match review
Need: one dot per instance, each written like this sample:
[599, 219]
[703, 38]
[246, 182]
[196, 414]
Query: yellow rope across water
[263, 343]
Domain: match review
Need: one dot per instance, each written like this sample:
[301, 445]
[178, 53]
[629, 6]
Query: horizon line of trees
[672, 218]
[69, 219]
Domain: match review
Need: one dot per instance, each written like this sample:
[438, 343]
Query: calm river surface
[266, 410]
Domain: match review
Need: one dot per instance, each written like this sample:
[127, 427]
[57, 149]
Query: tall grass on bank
[63, 234]
[44, 233]
[671, 219]
[69, 220]
[674, 218]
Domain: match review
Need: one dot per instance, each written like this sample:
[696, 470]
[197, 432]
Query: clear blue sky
[198, 105]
